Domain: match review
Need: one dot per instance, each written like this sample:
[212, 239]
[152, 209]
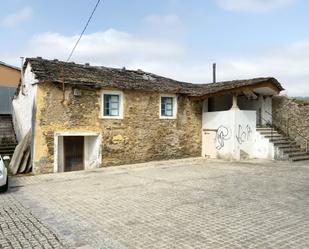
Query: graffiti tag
[243, 134]
[222, 135]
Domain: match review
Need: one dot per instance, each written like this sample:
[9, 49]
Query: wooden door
[73, 153]
[209, 144]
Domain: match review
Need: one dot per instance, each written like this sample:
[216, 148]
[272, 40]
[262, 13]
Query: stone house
[84, 116]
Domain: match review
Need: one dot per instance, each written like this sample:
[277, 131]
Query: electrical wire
[82, 33]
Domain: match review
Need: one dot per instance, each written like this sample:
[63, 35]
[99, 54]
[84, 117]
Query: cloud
[155, 19]
[14, 19]
[170, 58]
[289, 64]
[110, 46]
[168, 26]
[253, 5]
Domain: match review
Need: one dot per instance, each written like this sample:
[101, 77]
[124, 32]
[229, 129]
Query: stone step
[290, 150]
[299, 158]
[274, 136]
[9, 127]
[265, 129]
[288, 146]
[4, 152]
[298, 153]
[7, 140]
[6, 121]
[5, 124]
[7, 137]
[278, 140]
[5, 118]
[284, 144]
[7, 152]
[4, 129]
[7, 145]
[279, 143]
[6, 132]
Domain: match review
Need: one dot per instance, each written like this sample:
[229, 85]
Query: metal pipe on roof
[214, 72]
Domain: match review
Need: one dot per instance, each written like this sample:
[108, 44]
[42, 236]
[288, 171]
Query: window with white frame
[112, 104]
[168, 106]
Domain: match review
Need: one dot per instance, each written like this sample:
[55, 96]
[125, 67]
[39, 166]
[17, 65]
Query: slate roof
[105, 77]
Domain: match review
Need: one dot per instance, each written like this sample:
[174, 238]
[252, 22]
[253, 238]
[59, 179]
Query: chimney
[214, 72]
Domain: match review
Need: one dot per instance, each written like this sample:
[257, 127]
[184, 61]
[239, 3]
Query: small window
[168, 107]
[112, 104]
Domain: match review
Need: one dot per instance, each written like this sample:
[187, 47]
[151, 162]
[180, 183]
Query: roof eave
[271, 83]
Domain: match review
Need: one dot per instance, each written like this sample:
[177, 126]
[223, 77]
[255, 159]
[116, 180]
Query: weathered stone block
[291, 118]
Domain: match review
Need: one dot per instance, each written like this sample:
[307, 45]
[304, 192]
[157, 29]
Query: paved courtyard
[191, 203]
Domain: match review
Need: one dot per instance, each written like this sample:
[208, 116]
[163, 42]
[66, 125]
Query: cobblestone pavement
[20, 229]
[192, 203]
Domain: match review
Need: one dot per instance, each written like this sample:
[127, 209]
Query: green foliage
[302, 100]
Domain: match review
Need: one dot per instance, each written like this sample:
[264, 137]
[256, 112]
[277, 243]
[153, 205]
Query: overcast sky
[175, 38]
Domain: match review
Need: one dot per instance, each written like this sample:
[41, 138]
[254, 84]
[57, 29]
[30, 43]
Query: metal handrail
[295, 130]
[272, 128]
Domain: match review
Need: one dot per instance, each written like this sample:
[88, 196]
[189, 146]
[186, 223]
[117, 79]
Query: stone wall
[292, 118]
[140, 136]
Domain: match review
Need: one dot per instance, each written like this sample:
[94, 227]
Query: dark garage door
[6, 95]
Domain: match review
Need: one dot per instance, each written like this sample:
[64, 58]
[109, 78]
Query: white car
[4, 179]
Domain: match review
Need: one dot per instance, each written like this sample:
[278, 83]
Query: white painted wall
[60, 155]
[235, 131]
[262, 148]
[93, 154]
[222, 122]
[24, 103]
[245, 131]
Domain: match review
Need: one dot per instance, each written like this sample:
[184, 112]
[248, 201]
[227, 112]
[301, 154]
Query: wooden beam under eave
[250, 94]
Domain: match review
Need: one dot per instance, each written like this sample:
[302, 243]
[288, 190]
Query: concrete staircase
[7, 136]
[285, 147]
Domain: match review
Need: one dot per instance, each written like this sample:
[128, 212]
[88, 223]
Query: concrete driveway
[191, 203]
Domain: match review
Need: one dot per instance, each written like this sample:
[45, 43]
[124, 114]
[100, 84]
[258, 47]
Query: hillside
[302, 100]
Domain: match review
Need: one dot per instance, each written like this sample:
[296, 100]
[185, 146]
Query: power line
[82, 33]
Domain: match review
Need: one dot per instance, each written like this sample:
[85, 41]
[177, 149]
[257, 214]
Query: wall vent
[77, 92]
